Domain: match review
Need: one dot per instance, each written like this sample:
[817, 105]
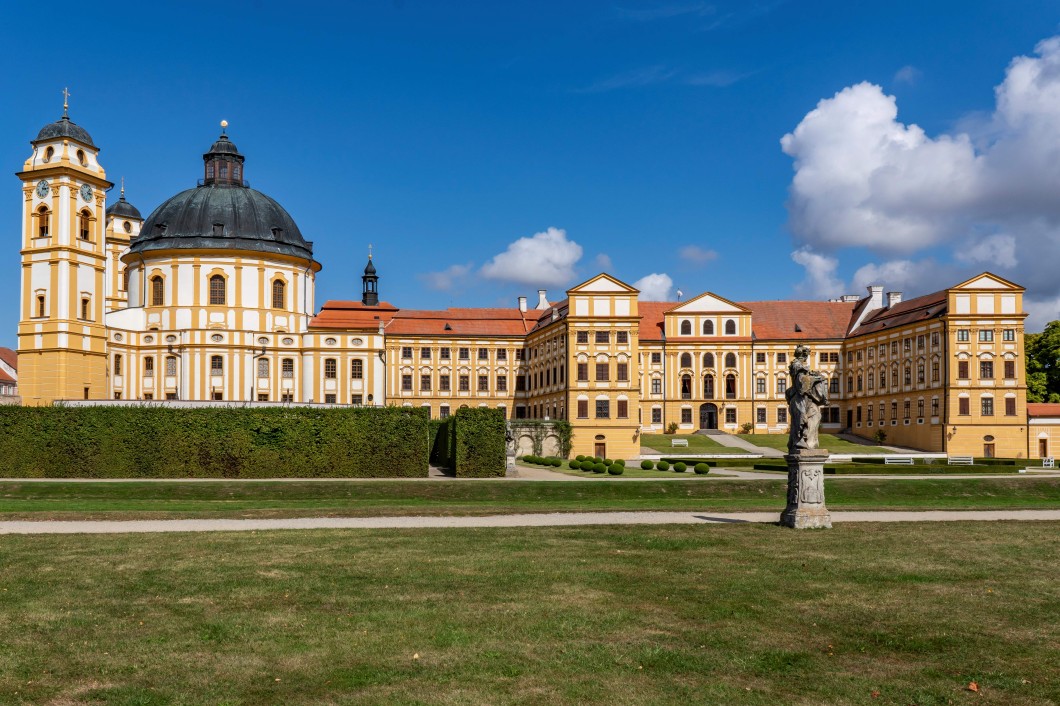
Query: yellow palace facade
[210, 298]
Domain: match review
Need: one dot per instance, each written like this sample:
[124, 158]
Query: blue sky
[646, 134]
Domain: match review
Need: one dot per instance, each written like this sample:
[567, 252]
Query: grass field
[827, 441]
[697, 444]
[139, 500]
[724, 614]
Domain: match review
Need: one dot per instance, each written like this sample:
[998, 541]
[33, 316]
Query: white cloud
[545, 259]
[446, 279]
[902, 276]
[603, 261]
[696, 255]
[821, 281]
[981, 198]
[655, 287]
[907, 74]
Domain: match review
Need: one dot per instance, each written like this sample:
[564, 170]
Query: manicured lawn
[697, 444]
[136, 500]
[826, 441]
[723, 614]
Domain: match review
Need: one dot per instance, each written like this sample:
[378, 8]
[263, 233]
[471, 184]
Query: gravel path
[558, 519]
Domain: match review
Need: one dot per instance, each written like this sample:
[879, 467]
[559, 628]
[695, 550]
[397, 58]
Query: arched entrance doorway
[708, 416]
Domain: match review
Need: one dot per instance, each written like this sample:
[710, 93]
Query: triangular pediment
[988, 280]
[602, 283]
[707, 303]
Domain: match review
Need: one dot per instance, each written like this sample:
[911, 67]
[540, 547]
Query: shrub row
[543, 460]
[169, 442]
[597, 465]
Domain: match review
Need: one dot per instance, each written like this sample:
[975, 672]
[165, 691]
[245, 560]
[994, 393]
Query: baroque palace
[211, 297]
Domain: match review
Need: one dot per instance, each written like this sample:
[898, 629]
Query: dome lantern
[223, 163]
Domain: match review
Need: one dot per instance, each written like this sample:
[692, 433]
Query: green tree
[1043, 364]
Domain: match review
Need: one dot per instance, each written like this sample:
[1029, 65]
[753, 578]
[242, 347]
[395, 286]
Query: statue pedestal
[806, 508]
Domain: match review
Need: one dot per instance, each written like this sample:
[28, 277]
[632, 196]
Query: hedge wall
[161, 442]
[477, 443]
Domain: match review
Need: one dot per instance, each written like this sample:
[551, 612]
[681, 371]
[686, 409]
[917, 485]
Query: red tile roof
[504, 322]
[929, 306]
[651, 319]
[769, 321]
[1043, 409]
[10, 357]
[348, 315]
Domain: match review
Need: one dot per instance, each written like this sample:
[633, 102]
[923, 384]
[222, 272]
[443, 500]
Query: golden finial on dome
[66, 102]
[224, 125]
[123, 187]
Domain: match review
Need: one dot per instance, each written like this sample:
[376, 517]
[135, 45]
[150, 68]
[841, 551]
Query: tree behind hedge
[172, 442]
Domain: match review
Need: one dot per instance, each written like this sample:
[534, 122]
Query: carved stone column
[806, 508]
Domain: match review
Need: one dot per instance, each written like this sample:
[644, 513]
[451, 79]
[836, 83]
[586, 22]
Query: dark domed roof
[222, 216]
[223, 146]
[124, 209]
[369, 269]
[64, 127]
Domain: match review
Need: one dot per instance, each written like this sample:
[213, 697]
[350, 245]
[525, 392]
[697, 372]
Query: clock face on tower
[42, 188]
[86, 192]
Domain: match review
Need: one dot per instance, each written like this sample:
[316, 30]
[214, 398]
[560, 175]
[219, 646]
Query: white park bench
[678, 442]
[1048, 462]
[959, 460]
[893, 461]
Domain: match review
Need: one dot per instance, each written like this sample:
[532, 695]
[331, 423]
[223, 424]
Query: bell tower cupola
[370, 283]
[223, 163]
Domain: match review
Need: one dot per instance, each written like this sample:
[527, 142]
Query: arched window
[158, 291]
[43, 222]
[48, 154]
[708, 387]
[217, 290]
[708, 328]
[686, 328]
[84, 220]
[730, 328]
[42, 310]
[279, 296]
[730, 387]
[357, 369]
[223, 173]
[686, 360]
[708, 360]
[686, 387]
[730, 360]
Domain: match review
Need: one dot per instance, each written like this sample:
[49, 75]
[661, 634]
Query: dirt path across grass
[558, 519]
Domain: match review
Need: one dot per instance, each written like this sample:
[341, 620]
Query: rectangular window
[934, 406]
[894, 347]
[117, 395]
[656, 415]
[861, 383]
[833, 357]
[894, 410]
[920, 373]
[483, 383]
[859, 356]
[520, 383]
[1010, 370]
[622, 337]
[962, 335]
[583, 336]
[622, 408]
[443, 383]
[354, 399]
[782, 385]
[760, 386]
[289, 397]
[760, 415]
[603, 337]
[907, 345]
[425, 383]
[84, 309]
[583, 372]
[602, 372]
[217, 365]
[603, 409]
[686, 416]
[920, 341]
[520, 354]
[656, 358]
[425, 353]
[483, 353]
[920, 408]
[760, 358]
[782, 415]
[443, 412]
[356, 369]
[963, 406]
[502, 354]
[833, 386]
[217, 290]
[262, 396]
[1010, 406]
[782, 358]
[148, 396]
[443, 353]
[287, 368]
[465, 383]
[502, 383]
[730, 415]
[583, 409]
[986, 369]
[406, 352]
[934, 339]
[406, 383]
[857, 414]
[149, 367]
[117, 365]
[987, 405]
[171, 365]
[906, 406]
[622, 372]
[1008, 334]
[331, 369]
[868, 414]
[656, 386]
[934, 371]
[962, 369]
[329, 398]
[986, 335]
[465, 353]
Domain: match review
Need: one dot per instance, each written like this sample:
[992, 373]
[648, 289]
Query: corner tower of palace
[211, 298]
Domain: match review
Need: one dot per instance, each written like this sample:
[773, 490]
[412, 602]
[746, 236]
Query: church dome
[65, 127]
[123, 209]
[223, 212]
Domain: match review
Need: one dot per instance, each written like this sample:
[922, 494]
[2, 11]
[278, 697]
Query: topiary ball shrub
[620, 462]
[646, 465]
[557, 462]
[579, 459]
[616, 469]
[587, 465]
[662, 466]
[598, 460]
[599, 468]
[608, 462]
[576, 465]
[680, 467]
[702, 469]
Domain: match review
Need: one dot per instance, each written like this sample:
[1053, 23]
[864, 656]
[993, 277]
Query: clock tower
[61, 332]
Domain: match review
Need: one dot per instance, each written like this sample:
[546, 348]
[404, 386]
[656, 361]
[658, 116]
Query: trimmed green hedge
[478, 442]
[169, 442]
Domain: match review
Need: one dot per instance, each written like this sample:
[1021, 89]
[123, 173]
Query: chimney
[542, 301]
[875, 297]
[850, 298]
[893, 298]
[522, 303]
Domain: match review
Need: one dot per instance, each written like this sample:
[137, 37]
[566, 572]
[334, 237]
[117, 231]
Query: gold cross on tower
[66, 101]
[369, 251]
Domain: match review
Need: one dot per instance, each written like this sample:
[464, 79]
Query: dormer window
[219, 229]
[160, 228]
[277, 232]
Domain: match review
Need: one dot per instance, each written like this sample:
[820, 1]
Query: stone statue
[806, 395]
